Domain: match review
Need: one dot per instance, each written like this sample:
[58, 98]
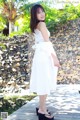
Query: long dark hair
[33, 20]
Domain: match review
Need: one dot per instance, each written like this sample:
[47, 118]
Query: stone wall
[16, 59]
[14, 63]
[66, 41]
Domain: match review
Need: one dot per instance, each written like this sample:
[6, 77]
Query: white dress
[43, 77]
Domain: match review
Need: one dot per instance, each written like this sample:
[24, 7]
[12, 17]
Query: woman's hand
[55, 60]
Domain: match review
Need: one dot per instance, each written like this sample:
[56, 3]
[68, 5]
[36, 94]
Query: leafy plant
[54, 17]
[12, 103]
[0, 119]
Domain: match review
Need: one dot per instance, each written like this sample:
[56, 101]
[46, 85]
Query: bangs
[40, 8]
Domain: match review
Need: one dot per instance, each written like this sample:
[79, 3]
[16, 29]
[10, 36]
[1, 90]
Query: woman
[45, 62]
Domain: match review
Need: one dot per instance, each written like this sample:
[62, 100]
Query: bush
[11, 103]
[54, 17]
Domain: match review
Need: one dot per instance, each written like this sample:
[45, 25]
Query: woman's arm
[42, 27]
[55, 60]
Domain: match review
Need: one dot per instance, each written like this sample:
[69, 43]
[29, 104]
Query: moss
[2, 46]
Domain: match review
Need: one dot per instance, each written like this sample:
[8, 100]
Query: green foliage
[70, 12]
[54, 17]
[2, 37]
[51, 17]
[2, 22]
[12, 103]
[2, 46]
[18, 33]
[24, 24]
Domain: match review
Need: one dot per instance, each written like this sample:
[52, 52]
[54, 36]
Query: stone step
[64, 104]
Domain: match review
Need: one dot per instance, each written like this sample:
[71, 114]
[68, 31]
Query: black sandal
[38, 109]
[44, 117]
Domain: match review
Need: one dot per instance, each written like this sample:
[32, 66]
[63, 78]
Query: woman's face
[40, 14]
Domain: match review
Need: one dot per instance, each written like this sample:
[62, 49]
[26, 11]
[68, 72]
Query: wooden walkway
[64, 104]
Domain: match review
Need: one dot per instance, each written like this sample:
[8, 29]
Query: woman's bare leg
[42, 105]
